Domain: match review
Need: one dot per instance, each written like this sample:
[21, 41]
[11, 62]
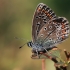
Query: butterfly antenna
[22, 45]
[20, 39]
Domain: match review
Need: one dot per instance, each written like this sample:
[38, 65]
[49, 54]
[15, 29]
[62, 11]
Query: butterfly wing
[41, 16]
[54, 32]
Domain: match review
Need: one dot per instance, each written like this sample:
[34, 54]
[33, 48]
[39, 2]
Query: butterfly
[48, 30]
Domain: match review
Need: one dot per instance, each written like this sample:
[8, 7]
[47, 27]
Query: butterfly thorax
[36, 46]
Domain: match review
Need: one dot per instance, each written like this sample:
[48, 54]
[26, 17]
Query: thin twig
[43, 64]
[57, 66]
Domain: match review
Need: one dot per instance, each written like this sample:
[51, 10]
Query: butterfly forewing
[41, 17]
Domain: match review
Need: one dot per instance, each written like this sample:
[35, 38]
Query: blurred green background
[16, 21]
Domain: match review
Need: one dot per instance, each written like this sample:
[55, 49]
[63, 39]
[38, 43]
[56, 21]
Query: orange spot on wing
[39, 9]
[63, 37]
[63, 26]
[63, 31]
[50, 17]
[47, 13]
[43, 10]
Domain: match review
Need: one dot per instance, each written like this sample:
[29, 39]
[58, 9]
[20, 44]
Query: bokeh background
[16, 21]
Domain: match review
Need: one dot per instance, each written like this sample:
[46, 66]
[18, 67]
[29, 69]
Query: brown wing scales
[41, 16]
[56, 30]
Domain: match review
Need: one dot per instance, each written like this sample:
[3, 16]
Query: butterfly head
[29, 44]
[35, 46]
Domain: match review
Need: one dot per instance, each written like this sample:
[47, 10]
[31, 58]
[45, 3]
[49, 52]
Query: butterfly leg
[37, 52]
[46, 50]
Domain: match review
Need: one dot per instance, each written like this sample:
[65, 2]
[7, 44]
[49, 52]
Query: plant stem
[43, 64]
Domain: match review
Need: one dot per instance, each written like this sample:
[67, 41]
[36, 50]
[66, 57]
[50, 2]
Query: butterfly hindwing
[41, 16]
[62, 28]
[54, 32]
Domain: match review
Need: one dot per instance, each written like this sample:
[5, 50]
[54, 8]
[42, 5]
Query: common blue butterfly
[48, 30]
